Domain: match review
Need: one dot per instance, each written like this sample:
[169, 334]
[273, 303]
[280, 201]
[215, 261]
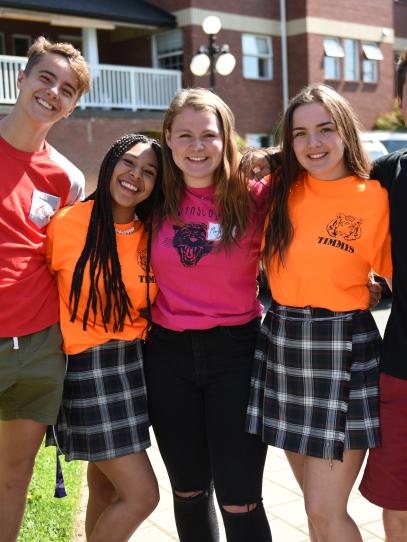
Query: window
[257, 57]
[372, 56]
[333, 53]
[351, 49]
[258, 140]
[167, 50]
[21, 44]
[2, 44]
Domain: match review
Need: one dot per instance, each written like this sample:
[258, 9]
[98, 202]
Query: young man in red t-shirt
[36, 180]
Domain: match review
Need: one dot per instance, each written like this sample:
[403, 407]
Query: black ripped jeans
[198, 386]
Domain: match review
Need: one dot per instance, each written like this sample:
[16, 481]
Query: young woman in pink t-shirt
[199, 354]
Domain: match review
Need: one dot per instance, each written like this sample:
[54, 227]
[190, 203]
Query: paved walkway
[282, 500]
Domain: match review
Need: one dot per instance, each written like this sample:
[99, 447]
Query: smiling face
[317, 144]
[49, 91]
[133, 180]
[196, 142]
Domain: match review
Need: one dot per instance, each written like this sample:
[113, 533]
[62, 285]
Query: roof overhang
[102, 14]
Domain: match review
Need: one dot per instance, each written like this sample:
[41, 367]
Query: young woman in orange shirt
[99, 251]
[315, 383]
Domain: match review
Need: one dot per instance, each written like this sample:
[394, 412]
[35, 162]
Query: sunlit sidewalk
[282, 500]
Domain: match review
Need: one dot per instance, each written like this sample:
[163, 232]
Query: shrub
[392, 121]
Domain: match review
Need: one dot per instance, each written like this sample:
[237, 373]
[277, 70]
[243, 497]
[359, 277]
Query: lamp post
[212, 59]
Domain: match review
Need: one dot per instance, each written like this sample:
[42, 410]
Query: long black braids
[100, 249]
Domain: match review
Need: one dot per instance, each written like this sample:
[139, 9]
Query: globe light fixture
[225, 62]
[200, 64]
[211, 25]
[212, 59]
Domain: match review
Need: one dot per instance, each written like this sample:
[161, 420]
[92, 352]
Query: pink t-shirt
[200, 286]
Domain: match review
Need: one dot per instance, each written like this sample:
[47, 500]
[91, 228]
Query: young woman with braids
[199, 353]
[99, 251]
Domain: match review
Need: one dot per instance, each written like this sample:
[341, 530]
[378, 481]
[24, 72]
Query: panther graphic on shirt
[191, 243]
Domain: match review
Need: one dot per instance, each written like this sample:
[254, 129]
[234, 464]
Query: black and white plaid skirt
[104, 407]
[314, 387]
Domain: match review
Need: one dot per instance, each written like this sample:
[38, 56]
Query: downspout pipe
[284, 60]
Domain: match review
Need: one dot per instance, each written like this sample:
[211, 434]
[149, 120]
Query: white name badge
[214, 232]
[43, 207]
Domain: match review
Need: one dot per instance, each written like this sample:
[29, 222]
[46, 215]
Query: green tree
[391, 121]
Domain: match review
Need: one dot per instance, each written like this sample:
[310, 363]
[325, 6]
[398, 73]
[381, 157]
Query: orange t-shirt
[341, 232]
[66, 239]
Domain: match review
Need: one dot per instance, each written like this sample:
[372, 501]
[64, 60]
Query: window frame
[355, 53]
[27, 37]
[267, 57]
[332, 58]
[370, 62]
[158, 56]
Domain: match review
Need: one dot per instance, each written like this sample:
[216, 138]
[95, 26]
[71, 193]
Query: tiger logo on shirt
[142, 259]
[345, 227]
[191, 243]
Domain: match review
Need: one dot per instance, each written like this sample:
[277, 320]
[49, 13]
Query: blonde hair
[231, 195]
[42, 46]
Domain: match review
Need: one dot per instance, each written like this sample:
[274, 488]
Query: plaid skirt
[314, 386]
[104, 407]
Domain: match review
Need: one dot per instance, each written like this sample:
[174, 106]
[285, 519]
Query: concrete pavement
[282, 499]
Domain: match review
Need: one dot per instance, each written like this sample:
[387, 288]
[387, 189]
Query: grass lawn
[46, 518]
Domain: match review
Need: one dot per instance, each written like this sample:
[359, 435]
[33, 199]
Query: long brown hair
[231, 197]
[280, 231]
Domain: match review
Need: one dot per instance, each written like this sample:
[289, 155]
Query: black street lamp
[212, 59]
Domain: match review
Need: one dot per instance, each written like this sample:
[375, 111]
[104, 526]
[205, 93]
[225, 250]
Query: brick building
[350, 45]
[140, 53]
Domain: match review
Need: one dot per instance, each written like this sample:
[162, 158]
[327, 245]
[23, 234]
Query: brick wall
[297, 53]
[373, 12]
[400, 19]
[85, 140]
[296, 9]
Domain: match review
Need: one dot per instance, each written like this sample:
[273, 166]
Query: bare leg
[101, 494]
[137, 495]
[326, 492]
[395, 525]
[297, 462]
[19, 444]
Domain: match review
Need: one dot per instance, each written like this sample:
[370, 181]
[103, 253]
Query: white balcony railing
[9, 68]
[120, 87]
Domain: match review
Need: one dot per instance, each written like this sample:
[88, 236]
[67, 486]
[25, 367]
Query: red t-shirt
[33, 186]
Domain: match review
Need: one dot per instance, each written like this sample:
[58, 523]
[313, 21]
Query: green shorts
[32, 371]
